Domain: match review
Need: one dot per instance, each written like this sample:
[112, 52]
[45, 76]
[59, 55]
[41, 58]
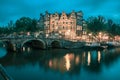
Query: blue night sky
[14, 9]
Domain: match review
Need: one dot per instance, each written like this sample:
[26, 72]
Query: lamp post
[90, 34]
[100, 36]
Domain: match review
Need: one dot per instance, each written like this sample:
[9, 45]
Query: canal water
[62, 64]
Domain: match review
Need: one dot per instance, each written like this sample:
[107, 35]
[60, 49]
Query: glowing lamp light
[47, 35]
[90, 34]
[28, 33]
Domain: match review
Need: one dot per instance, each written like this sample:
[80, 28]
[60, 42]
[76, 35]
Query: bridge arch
[2, 44]
[8, 45]
[56, 44]
[34, 43]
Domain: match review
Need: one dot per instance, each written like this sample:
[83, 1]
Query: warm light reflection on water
[67, 61]
[14, 48]
[99, 56]
[52, 64]
[77, 59]
[23, 48]
[89, 58]
[26, 49]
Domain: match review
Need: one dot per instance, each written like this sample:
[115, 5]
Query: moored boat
[93, 46]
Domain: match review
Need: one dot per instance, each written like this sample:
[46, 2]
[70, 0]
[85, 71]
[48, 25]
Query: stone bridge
[16, 44]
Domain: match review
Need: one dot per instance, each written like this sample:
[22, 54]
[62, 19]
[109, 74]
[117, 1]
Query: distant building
[67, 25]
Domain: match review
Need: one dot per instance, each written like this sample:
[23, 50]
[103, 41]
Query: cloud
[14, 9]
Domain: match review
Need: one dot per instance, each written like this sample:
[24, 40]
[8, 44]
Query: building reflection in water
[70, 60]
[64, 63]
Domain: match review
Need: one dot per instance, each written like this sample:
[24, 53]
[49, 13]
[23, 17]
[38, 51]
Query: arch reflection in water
[3, 45]
[3, 52]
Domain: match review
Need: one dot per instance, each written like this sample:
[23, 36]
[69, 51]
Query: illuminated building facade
[67, 25]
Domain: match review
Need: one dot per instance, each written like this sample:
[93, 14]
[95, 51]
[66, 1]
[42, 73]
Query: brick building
[67, 25]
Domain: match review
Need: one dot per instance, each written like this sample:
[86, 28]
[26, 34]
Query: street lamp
[100, 34]
[90, 34]
[28, 33]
